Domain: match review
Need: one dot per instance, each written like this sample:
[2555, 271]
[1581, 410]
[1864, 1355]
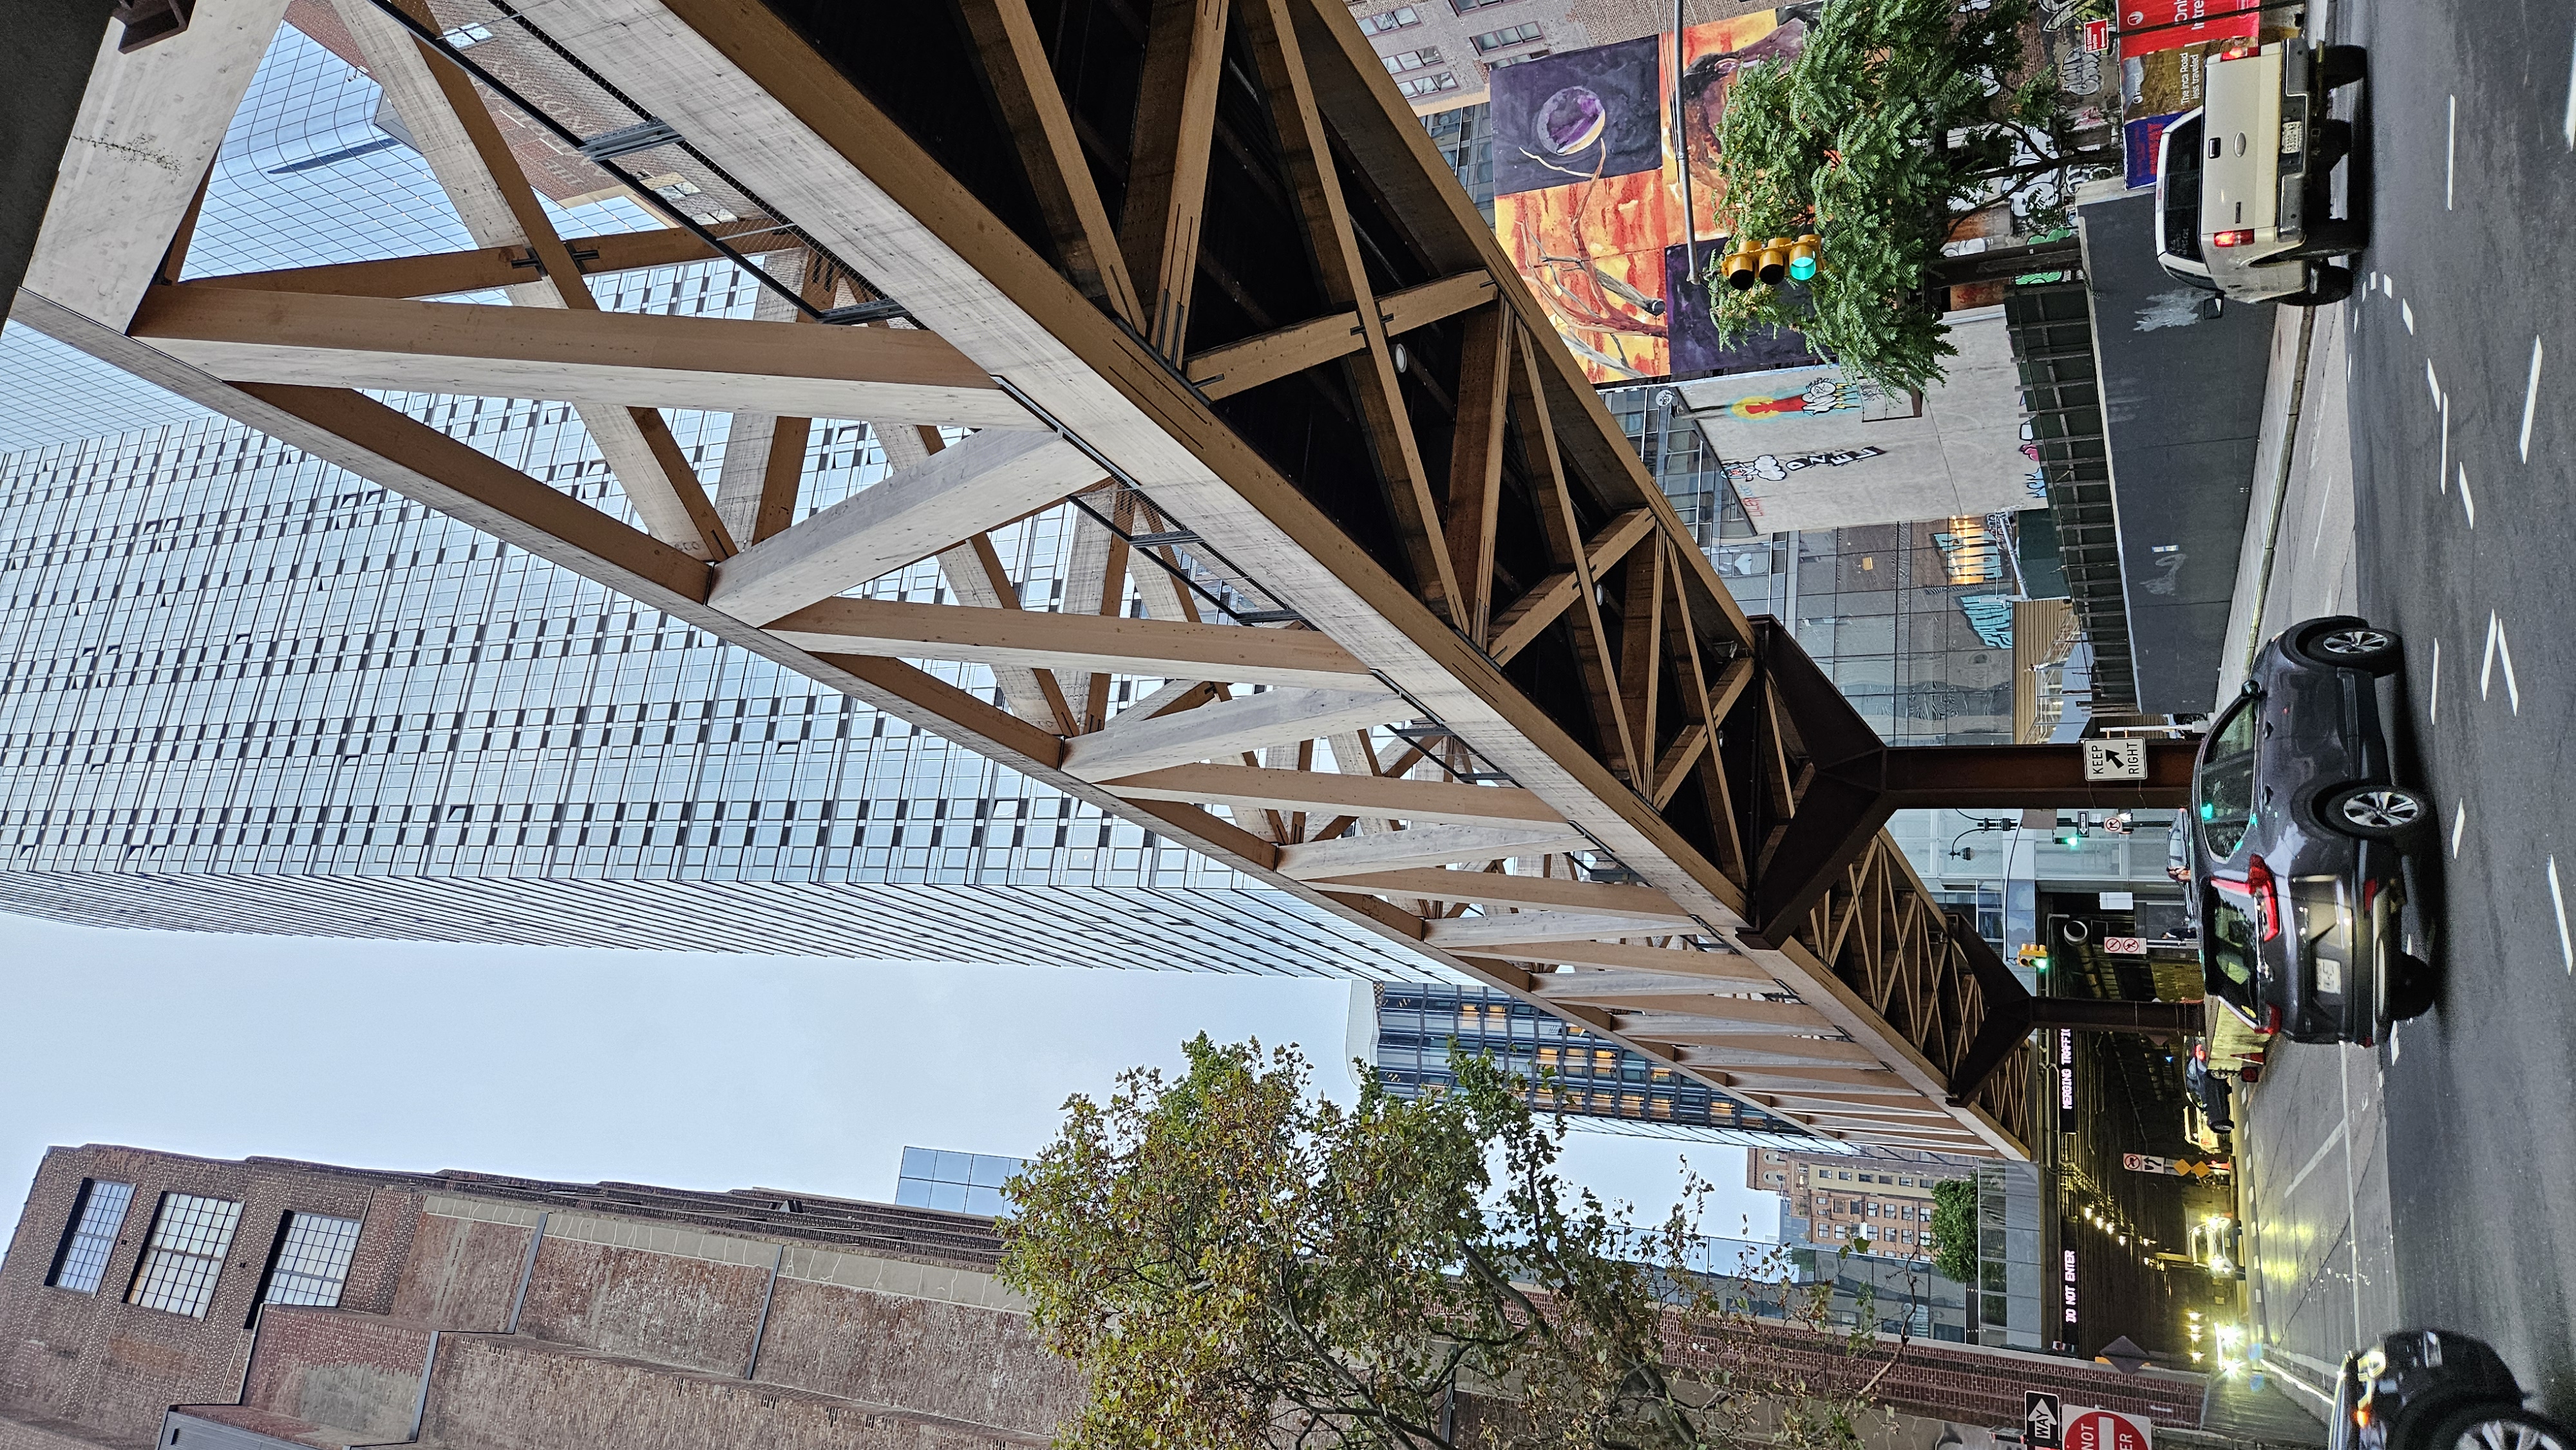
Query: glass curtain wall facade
[1603, 1085]
[243, 690]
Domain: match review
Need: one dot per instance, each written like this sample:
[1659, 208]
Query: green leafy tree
[1954, 1230]
[1898, 118]
[1237, 1264]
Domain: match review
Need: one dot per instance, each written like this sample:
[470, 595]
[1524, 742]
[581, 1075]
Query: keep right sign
[2108, 1430]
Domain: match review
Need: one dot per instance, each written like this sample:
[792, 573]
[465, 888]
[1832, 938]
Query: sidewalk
[2312, 1168]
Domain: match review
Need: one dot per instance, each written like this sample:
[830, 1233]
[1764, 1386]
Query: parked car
[2236, 1046]
[2209, 1091]
[2243, 191]
[2302, 832]
[2427, 1389]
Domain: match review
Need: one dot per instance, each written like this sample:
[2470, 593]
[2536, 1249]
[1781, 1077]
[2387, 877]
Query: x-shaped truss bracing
[1410, 632]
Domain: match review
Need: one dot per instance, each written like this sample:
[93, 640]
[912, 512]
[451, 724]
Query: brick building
[154, 1299]
[1839, 1198]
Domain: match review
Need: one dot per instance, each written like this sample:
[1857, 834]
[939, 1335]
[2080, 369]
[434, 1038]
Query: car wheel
[2341, 65]
[2325, 285]
[2500, 1426]
[2410, 986]
[2353, 646]
[2376, 813]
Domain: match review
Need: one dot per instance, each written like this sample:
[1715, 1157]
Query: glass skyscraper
[243, 690]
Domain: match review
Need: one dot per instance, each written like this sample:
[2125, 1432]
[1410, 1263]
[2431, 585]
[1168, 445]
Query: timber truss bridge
[1433, 652]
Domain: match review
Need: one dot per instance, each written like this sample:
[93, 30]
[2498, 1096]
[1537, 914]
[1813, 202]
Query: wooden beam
[1038, 639]
[1224, 371]
[1704, 1046]
[148, 128]
[1675, 1010]
[1346, 859]
[1095, 582]
[1375, 796]
[1168, 164]
[980, 484]
[1858, 1081]
[482, 269]
[1307, 157]
[1033, 111]
[1476, 463]
[1546, 893]
[616, 358]
[1538, 608]
[763, 472]
[1641, 656]
[1127, 745]
[1619, 956]
[1518, 929]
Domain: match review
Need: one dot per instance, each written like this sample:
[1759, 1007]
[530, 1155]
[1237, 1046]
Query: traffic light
[1774, 262]
[1802, 258]
[1739, 270]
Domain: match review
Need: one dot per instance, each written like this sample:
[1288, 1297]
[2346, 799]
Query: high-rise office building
[243, 690]
[1415, 1028]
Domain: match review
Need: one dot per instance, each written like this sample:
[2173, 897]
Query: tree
[1954, 1231]
[1236, 1264]
[1899, 117]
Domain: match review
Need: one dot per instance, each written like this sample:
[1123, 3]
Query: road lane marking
[2437, 681]
[2568, 127]
[2406, 310]
[2310, 1166]
[2442, 475]
[2486, 672]
[2530, 399]
[2558, 899]
[2459, 824]
[2433, 381]
[2498, 647]
[2451, 157]
[2466, 501]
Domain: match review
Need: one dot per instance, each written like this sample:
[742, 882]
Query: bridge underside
[1414, 636]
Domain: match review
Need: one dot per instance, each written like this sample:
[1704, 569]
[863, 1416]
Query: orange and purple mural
[1588, 194]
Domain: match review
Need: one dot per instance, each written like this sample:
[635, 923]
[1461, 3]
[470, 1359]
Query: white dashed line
[2568, 127]
[2459, 824]
[2467, 502]
[2406, 310]
[2499, 648]
[2558, 899]
[2387, 284]
[2451, 156]
[2437, 682]
[2433, 380]
[2530, 399]
[2442, 474]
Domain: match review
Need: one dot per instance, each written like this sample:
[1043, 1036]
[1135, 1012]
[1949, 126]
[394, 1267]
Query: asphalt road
[2463, 538]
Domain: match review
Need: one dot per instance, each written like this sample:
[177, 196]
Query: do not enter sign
[2108, 1430]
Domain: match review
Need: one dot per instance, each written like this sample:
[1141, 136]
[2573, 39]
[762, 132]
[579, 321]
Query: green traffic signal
[1801, 268]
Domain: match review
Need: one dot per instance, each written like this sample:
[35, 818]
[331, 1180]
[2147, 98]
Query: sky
[677, 1069]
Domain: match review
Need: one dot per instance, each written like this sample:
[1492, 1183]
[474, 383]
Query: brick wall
[94, 1362]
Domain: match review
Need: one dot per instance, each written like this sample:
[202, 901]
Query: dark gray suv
[2299, 837]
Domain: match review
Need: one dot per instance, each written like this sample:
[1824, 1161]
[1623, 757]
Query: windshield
[2179, 191]
[2223, 793]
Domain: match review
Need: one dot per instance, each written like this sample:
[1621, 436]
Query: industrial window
[1396, 19]
[312, 1261]
[1493, 40]
[82, 1260]
[1405, 60]
[1463, 6]
[1428, 85]
[190, 1236]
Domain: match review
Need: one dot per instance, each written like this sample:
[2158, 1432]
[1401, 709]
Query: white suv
[2242, 184]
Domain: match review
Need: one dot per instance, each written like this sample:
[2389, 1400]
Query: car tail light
[2369, 893]
[2238, 51]
[2271, 1019]
[2238, 238]
[2267, 896]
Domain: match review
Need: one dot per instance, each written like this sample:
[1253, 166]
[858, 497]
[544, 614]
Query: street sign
[2125, 946]
[2115, 760]
[2097, 36]
[2108, 1430]
[2040, 1421]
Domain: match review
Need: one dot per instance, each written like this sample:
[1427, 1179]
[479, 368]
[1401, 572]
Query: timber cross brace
[1410, 633]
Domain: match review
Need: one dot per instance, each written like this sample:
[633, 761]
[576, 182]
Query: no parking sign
[2108, 1430]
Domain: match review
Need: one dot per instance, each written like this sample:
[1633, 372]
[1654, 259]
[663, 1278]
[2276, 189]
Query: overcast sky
[668, 1068]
